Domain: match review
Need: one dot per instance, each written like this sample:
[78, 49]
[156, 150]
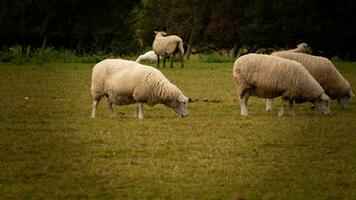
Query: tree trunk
[43, 44]
[187, 54]
[235, 50]
[28, 50]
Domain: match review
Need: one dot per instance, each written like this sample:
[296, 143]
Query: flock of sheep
[293, 75]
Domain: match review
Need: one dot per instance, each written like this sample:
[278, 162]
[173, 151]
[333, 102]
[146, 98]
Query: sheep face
[160, 33]
[323, 104]
[179, 105]
[343, 101]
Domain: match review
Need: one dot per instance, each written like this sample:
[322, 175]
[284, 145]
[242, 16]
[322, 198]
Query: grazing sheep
[323, 71]
[150, 56]
[268, 76]
[166, 45]
[126, 82]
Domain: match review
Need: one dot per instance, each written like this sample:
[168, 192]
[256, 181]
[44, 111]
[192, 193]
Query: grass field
[50, 148]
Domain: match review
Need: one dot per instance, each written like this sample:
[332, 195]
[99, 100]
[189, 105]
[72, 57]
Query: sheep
[301, 48]
[150, 56]
[125, 82]
[267, 76]
[325, 73]
[166, 45]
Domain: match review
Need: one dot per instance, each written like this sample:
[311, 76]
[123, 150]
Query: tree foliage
[126, 26]
[84, 25]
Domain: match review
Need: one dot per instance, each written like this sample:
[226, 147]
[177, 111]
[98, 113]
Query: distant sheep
[125, 82]
[301, 48]
[166, 45]
[150, 56]
[323, 71]
[268, 76]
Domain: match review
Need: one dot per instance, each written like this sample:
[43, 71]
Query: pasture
[50, 148]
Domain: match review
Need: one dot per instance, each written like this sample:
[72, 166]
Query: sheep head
[303, 45]
[160, 33]
[179, 105]
[344, 100]
[322, 104]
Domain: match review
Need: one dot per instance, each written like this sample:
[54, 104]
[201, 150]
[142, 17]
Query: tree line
[126, 26]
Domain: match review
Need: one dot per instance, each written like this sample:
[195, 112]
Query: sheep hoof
[138, 117]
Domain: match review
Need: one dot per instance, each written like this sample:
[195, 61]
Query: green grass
[50, 148]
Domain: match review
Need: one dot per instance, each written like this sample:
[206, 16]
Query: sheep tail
[180, 47]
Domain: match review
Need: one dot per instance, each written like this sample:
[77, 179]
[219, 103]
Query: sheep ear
[351, 93]
[325, 97]
[155, 32]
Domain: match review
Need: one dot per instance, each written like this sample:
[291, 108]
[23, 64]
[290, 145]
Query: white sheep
[150, 56]
[125, 82]
[323, 71]
[268, 76]
[166, 45]
[301, 48]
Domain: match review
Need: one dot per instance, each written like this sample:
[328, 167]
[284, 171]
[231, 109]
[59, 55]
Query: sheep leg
[158, 61]
[164, 61]
[171, 59]
[110, 108]
[139, 111]
[284, 104]
[291, 110]
[243, 104]
[95, 105]
[269, 104]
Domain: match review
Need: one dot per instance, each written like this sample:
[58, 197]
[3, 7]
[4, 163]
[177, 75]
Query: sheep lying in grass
[301, 48]
[166, 45]
[323, 71]
[125, 82]
[150, 56]
[268, 76]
